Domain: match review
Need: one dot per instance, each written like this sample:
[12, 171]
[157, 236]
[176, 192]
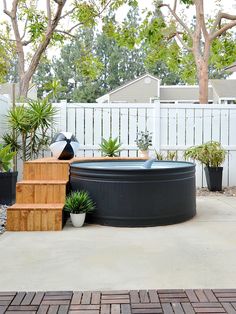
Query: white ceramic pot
[144, 153]
[77, 220]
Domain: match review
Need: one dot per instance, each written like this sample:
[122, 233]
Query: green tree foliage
[162, 45]
[35, 28]
[107, 65]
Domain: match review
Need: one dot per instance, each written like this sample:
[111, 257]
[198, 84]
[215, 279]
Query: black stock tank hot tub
[129, 195]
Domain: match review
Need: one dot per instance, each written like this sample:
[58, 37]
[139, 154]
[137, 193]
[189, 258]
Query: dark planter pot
[214, 178]
[8, 187]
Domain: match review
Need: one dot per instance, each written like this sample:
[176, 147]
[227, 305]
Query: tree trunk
[203, 82]
[24, 86]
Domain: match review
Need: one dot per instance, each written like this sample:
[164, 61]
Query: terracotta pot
[144, 153]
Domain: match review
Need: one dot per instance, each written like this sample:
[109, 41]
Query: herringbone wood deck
[120, 302]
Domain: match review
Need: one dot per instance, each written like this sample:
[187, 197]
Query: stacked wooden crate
[40, 196]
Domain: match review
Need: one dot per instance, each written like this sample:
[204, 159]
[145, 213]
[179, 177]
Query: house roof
[231, 68]
[181, 93]
[224, 88]
[127, 84]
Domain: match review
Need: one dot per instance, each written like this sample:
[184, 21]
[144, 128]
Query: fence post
[63, 115]
[157, 126]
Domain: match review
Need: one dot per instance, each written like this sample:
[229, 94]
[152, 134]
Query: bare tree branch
[59, 2]
[175, 6]
[223, 30]
[202, 20]
[65, 33]
[178, 19]
[49, 13]
[221, 15]
[25, 28]
[5, 10]
[68, 13]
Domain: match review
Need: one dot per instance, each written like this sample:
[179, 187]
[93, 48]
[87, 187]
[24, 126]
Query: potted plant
[110, 147]
[7, 177]
[212, 155]
[169, 156]
[144, 140]
[78, 203]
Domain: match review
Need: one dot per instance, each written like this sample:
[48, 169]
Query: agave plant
[110, 147]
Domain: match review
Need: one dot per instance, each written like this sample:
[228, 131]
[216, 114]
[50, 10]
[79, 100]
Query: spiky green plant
[30, 124]
[79, 202]
[169, 156]
[110, 147]
[6, 157]
[210, 154]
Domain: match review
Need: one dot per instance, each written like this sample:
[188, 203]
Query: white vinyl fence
[4, 107]
[175, 127]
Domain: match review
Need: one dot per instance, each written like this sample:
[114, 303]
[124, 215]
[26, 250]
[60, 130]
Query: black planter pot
[214, 178]
[8, 187]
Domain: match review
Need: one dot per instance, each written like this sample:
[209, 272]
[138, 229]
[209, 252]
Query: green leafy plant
[144, 140]
[6, 157]
[169, 156]
[211, 154]
[30, 124]
[79, 202]
[110, 147]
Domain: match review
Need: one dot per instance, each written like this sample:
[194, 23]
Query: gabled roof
[231, 68]
[127, 84]
[224, 88]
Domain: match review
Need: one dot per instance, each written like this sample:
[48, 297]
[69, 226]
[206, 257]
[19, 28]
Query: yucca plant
[78, 202]
[30, 124]
[110, 147]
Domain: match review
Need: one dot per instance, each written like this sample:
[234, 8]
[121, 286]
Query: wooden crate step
[41, 191]
[17, 206]
[45, 170]
[34, 182]
[35, 217]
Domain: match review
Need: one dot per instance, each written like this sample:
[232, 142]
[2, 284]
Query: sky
[228, 5]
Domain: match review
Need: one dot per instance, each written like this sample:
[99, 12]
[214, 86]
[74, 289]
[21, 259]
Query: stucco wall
[185, 93]
[137, 92]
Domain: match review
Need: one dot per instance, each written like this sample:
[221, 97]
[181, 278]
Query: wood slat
[118, 302]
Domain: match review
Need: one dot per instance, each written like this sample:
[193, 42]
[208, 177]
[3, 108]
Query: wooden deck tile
[120, 302]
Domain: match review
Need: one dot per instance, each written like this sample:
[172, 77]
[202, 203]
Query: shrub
[210, 154]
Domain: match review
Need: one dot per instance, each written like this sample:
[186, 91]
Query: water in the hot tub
[133, 165]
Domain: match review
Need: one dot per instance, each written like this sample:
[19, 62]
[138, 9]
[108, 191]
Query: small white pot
[77, 219]
[144, 153]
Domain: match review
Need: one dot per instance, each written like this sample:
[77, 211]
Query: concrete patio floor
[200, 253]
